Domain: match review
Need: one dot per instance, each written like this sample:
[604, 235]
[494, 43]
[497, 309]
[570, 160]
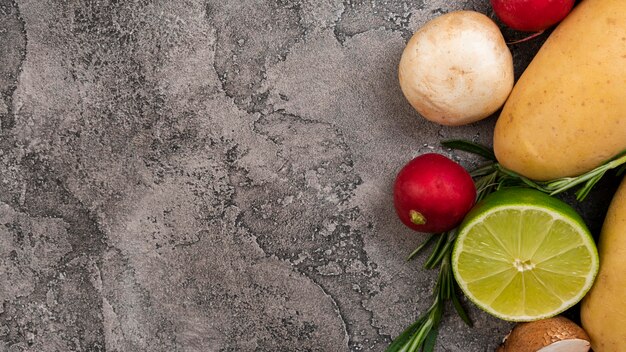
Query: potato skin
[567, 113]
[603, 310]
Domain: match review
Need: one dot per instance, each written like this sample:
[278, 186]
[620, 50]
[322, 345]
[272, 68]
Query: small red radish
[432, 193]
[531, 15]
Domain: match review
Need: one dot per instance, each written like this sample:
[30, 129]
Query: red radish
[433, 193]
[531, 15]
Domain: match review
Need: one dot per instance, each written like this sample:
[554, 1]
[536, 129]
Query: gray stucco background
[214, 176]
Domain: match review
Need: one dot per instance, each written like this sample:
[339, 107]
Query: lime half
[522, 255]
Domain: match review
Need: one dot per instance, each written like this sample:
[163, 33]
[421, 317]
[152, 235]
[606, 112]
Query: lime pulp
[522, 255]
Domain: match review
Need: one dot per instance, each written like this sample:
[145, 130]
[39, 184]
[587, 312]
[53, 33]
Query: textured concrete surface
[213, 176]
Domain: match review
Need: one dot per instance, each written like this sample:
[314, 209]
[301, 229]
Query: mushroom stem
[572, 345]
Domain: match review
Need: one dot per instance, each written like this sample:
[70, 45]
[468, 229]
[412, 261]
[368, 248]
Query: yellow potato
[603, 310]
[567, 113]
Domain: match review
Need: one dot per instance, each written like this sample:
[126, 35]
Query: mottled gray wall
[213, 176]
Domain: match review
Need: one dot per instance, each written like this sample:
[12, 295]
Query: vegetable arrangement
[498, 235]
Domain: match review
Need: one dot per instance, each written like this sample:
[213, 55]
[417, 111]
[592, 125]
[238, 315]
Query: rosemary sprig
[422, 334]
[496, 176]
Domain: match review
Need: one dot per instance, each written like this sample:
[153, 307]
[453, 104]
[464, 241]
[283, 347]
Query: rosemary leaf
[589, 179]
[563, 184]
[447, 248]
[441, 286]
[582, 193]
[512, 174]
[400, 343]
[431, 339]
[437, 259]
[460, 310]
[419, 338]
[421, 246]
[470, 147]
[485, 185]
[435, 254]
[483, 170]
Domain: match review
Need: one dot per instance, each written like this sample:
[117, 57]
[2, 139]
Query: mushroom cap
[560, 333]
[457, 68]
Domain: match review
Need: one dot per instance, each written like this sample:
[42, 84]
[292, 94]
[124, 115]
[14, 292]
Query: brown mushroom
[556, 334]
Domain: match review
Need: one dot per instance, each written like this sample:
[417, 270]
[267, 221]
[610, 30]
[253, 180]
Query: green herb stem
[423, 333]
[470, 147]
[421, 246]
[589, 179]
[495, 176]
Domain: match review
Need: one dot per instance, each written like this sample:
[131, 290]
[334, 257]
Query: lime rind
[544, 276]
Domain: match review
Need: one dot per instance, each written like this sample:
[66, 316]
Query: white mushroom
[457, 69]
[556, 334]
